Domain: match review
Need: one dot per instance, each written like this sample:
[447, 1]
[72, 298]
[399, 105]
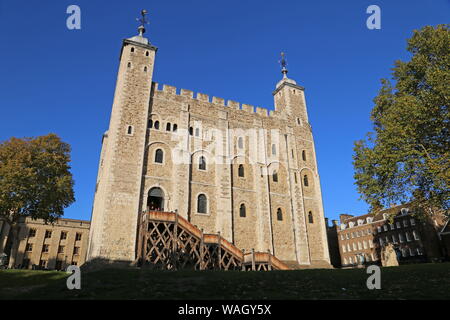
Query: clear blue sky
[56, 80]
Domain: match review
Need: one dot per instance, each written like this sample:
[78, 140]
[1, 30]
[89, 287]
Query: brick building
[47, 246]
[365, 236]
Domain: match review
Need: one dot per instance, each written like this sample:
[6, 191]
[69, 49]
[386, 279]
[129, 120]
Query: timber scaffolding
[167, 241]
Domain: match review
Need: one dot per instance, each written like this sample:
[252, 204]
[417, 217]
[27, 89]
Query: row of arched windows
[159, 158]
[155, 125]
[146, 52]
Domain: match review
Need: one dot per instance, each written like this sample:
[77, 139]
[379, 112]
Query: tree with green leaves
[407, 156]
[35, 181]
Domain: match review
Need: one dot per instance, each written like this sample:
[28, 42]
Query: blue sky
[57, 80]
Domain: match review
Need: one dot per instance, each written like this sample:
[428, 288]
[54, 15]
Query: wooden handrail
[248, 257]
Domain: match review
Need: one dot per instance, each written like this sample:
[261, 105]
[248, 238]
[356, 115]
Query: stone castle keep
[244, 172]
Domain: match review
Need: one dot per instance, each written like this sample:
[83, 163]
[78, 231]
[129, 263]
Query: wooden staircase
[170, 242]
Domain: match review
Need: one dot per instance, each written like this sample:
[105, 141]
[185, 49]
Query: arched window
[191, 131]
[275, 176]
[241, 170]
[305, 180]
[130, 130]
[146, 53]
[132, 49]
[240, 143]
[150, 123]
[145, 69]
[279, 214]
[129, 65]
[157, 125]
[201, 204]
[304, 155]
[242, 211]
[175, 127]
[159, 155]
[202, 163]
[168, 126]
[310, 217]
[274, 149]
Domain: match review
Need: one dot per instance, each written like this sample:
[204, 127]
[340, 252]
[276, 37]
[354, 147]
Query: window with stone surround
[279, 214]
[156, 125]
[241, 171]
[275, 176]
[310, 217]
[159, 156]
[242, 212]
[305, 180]
[240, 143]
[202, 204]
[168, 126]
[202, 163]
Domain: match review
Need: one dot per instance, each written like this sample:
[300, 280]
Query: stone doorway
[155, 200]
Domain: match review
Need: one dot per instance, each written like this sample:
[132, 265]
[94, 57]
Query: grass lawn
[422, 281]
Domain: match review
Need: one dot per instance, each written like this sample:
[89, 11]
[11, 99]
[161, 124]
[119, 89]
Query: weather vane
[283, 63]
[143, 20]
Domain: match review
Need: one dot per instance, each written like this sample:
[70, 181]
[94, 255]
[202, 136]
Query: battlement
[214, 101]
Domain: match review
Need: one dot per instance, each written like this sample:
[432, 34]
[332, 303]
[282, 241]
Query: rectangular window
[343, 249]
[394, 239]
[405, 223]
[78, 237]
[400, 238]
[392, 226]
[408, 237]
[349, 249]
[76, 250]
[370, 244]
[48, 234]
[415, 235]
[61, 249]
[43, 263]
[399, 225]
[379, 229]
[413, 222]
[385, 227]
[45, 248]
[63, 235]
[342, 237]
[32, 233]
[29, 247]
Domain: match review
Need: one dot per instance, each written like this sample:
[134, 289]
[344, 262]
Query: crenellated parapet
[213, 101]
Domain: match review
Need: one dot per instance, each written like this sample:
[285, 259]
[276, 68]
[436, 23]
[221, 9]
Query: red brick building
[361, 238]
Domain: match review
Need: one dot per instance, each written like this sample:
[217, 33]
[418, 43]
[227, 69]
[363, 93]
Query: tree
[407, 157]
[35, 181]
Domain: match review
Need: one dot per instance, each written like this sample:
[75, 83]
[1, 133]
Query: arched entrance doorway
[155, 200]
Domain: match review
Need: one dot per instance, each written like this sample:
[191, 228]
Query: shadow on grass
[424, 281]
